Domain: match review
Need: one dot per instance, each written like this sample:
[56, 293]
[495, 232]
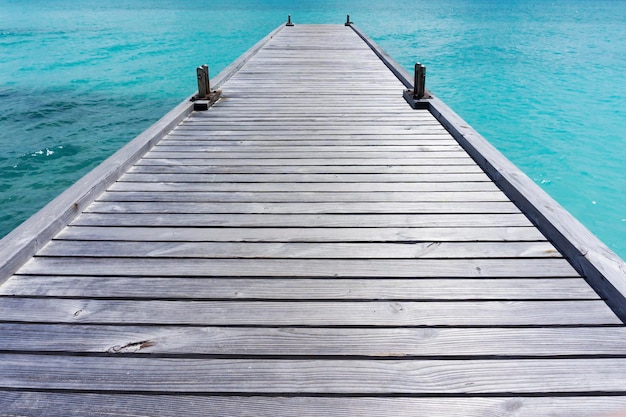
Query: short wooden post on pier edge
[204, 86]
[205, 97]
[348, 22]
[417, 97]
[419, 84]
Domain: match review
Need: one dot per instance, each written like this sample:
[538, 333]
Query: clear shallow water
[544, 81]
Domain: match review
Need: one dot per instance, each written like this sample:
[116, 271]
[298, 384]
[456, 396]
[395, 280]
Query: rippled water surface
[544, 81]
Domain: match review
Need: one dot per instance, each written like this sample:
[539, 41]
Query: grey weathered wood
[311, 101]
[308, 313]
[278, 149]
[314, 116]
[296, 178]
[365, 133]
[303, 288]
[398, 268]
[204, 87]
[309, 234]
[303, 220]
[35, 404]
[228, 119]
[334, 108]
[311, 126]
[315, 376]
[204, 140]
[318, 342]
[328, 160]
[336, 187]
[306, 169]
[303, 196]
[311, 207]
[422, 250]
[365, 155]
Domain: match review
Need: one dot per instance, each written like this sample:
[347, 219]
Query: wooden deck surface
[309, 246]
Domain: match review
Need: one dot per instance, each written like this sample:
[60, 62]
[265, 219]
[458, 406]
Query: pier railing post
[418, 97]
[204, 87]
[348, 22]
[289, 20]
[205, 97]
[419, 83]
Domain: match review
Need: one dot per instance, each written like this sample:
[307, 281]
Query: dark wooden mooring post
[205, 97]
[419, 83]
[204, 87]
[289, 20]
[418, 96]
[348, 22]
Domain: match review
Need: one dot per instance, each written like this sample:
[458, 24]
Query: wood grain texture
[306, 178]
[389, 142]
[383, 343]
[392, 268]
[303, 196]
[303, 220]
[309, 234]
[424, 289]
[419, 207]
[306, 169]
[364, 156]
[324, 160]
[426, 250]
[308, 313]
[336, 187]
[314, 376]
[276, 149]
[35, 404]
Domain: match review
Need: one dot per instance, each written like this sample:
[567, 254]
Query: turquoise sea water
[544, 81]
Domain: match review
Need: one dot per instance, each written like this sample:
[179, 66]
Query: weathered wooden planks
[394, 268]
[424, 289]
[308, 313]
[308, 246]
[326, 160]
[415, 250]
[465, 178]
[303, 220]
[70, 404]
[288, 376]
[428, 170]
[343, 207]
[555, 342]
[308, 234]
[286, 196]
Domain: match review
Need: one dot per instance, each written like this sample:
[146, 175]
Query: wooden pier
[311, 245]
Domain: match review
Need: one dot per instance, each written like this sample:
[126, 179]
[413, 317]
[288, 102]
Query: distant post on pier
[205, 97]
[419, 83]
[204, 88]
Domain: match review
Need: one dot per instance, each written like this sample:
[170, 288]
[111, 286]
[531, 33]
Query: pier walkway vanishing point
[309, 246]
